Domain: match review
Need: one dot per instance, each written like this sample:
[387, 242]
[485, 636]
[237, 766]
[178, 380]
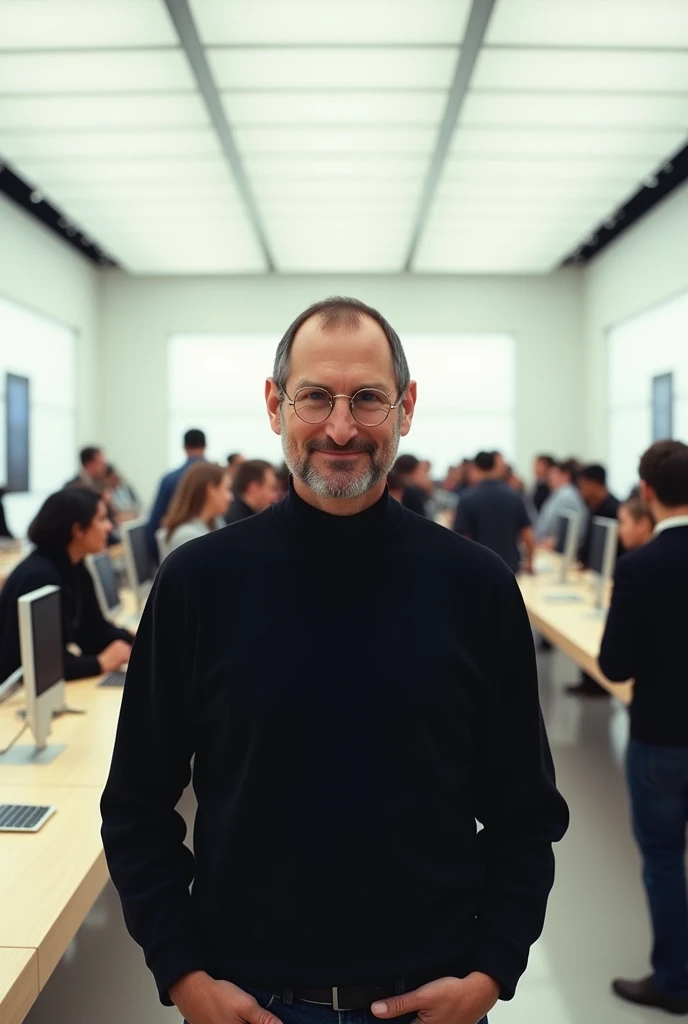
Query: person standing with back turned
[336, 860]
[194, 447]
[645, 640]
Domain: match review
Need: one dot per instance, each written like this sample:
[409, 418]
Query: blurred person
[200, 504]
[565, 497]
[636, 524]
[411, 472]
[542, 489]
[294, 858]
[255, 489]
[592, 484]
[644, 640]
[70, 525]
[194, 447]
[501, 465]
[234, 460]
[93, 469]
[122, 496]
[514, 481]
[495, 515]
[282, 474]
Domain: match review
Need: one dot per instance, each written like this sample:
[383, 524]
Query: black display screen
[48, 655]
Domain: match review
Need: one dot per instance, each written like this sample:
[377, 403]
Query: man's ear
[408, 404]
[273, 402]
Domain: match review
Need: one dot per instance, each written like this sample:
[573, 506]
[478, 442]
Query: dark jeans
[290, 1011]
[658, 782]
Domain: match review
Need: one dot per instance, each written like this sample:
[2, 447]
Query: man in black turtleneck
[336, 861]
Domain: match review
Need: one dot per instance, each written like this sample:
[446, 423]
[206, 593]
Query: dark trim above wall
[654, 189]
[31, 200]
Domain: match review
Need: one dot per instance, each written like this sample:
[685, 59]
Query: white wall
[646, 266]
[138, 314]
[44, 275]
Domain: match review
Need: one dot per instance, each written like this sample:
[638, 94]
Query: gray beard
[342, 484]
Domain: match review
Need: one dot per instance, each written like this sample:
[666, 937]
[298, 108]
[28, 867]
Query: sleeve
[618, 652]
[95, 632]
[143, 835]
[518, 804]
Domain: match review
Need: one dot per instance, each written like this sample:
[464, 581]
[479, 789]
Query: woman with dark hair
[70, 525]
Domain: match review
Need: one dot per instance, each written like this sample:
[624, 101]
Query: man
[415, 483]
[93, 470]
[541, 492]
[644, 640]
[592, 484]
[194, 447]
[336, 860]
[255, 489]
[495, 515]
[565, 497]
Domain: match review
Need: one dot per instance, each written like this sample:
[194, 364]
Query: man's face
[97, 467]
[541, 470]
[340, 458]
[266, 493]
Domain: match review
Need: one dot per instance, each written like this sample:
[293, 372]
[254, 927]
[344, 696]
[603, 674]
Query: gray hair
[340, 311]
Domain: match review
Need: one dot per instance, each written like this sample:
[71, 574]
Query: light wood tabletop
[89, 738]
[574, 626]
[51, 878]
[18, 983]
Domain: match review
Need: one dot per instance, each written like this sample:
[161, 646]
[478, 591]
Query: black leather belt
[346, 997]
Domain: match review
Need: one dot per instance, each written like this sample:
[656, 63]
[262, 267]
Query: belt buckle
[335, 998]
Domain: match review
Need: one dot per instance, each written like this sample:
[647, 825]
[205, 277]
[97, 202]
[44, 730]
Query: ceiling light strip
[191, 43]
[481, 11]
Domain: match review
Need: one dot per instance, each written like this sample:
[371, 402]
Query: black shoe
[644, 993]
[587, 689]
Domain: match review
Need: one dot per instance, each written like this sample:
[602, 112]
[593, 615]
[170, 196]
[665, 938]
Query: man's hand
[114, 656]
[446, 1001]
[202, 1000]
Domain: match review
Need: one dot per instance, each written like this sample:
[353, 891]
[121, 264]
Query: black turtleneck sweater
[356, 691]
[82, 620]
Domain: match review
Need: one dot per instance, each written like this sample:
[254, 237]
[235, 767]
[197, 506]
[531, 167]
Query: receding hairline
[335, 318]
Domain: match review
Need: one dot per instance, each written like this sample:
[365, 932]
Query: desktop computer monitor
[567, 537]
[140, 568]
[42, 654]
[603, 548]
[105, 584]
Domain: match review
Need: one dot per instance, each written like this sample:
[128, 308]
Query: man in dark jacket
[645, 640]
[194, 446]
[255, 489]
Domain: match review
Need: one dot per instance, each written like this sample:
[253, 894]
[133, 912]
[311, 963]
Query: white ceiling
[335, 108]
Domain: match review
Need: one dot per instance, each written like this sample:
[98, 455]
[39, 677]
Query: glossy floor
[596, 926]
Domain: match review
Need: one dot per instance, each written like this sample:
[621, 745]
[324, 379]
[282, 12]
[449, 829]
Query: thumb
[258, 1015]
[395, 1006]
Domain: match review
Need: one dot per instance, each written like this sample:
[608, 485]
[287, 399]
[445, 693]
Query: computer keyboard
[23, 817]
[113, 679]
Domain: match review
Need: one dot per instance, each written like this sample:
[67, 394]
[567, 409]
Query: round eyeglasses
[369, 407]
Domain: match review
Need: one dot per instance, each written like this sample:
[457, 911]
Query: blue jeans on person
[292, 1011]
[658, 783]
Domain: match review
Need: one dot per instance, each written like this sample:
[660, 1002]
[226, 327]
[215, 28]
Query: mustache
[328, 445]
